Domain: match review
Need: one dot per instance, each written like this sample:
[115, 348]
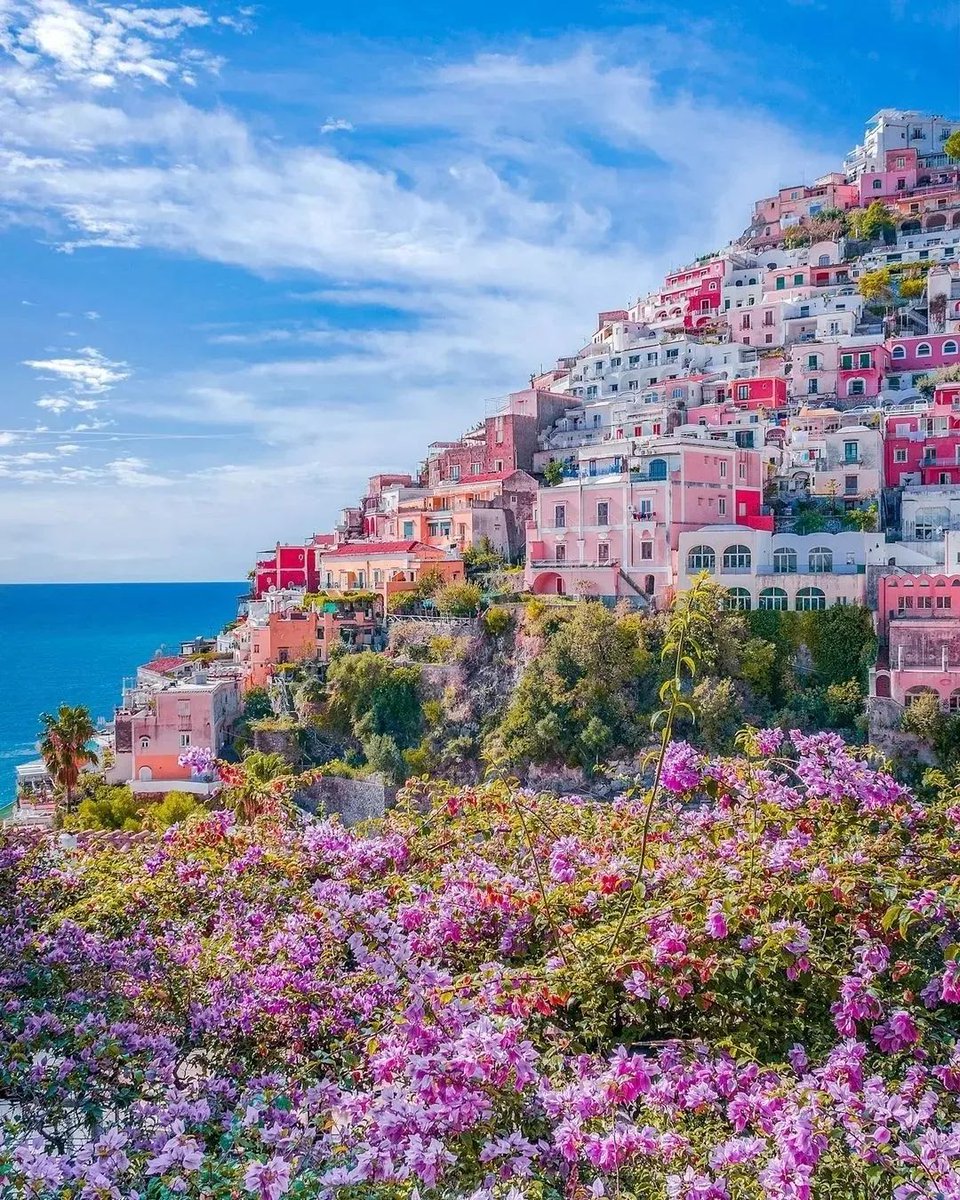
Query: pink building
[161, 717]
[385, 567]
[862, 369]
[924, 447]
[919, 627]
[797, 205]
[615, 534]
[921, 354]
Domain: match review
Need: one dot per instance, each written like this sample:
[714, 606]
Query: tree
[257, 704]
[482, 557]
[64, 746]
[951, 147]
[257, 785]
[458, 600]
[877, 286]
[872, 222]
[371, 695]
[719, 713]
[553, 472]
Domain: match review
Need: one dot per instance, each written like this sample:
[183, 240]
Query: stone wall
[353, 800]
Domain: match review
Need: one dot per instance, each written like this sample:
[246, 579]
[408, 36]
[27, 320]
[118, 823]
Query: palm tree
[65, 749]
[258, 784]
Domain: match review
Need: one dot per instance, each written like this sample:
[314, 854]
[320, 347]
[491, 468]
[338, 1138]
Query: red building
[861, 370]
[767, 392]
[924, 447]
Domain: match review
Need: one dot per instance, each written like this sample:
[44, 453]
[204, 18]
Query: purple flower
[716, 923]
[269, 1180]
[682, 768]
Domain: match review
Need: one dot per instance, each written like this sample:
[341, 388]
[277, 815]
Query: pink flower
[268, 1180]
[682, 768]
[950, 984]
[716, 924]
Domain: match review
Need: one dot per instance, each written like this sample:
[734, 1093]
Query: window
[785, 561]
[701, 558]
[899, 352]
[658, 468]
[924, 602]
[745, 321]
[184, 739]
[877, 185]
[633, 360]
[798, 281]
[144, 743]
[646, 549]
[737, 558]
[722, 505]
[723, 470]
[850, 485]
[899, 456]
[645, 511]
[811, 600]
[737, 598]
[943, 602]
[615, 362]
[677, 394]
[408, 529]
[603, 513]
[633, 385]
[768, 316]
[846, 362]
[923, 350]
[851, 452]
[742, 471]
[773, 599]
[603, 553]
[812, 362]
[812, 387]
[781, 283]
[893, 383]
[944, 477]
[950, 347]
[560, 553]
[560, 516]
[821, 560]
[856, 387]
[475, 468]
[866, 359]
[743, 391]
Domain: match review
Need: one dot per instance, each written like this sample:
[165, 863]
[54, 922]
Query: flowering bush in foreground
[453, 1001]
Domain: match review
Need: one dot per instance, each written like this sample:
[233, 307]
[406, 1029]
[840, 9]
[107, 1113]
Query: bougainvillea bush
[488, 995]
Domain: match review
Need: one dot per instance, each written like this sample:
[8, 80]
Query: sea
[75, 643]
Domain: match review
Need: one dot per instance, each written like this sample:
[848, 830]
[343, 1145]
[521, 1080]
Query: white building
[898, 129]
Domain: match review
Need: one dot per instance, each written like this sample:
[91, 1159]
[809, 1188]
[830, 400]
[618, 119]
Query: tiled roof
[164, 666]
[355, 549]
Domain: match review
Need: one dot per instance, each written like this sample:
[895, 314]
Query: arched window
[658, 468]
[738, 598]
[144, 743]
[949, 347]
[856, 387]
[823, 260]
[923, 350]
[773, 600]
[915, 693]
[701, 558]
[953, 703]
[785, 561]
[737, 558]
[811, 600]
[899, 352]
[821, 559]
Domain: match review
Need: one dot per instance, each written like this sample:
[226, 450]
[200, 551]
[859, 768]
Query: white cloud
[336, 125]
[90, 372]
[99, 44]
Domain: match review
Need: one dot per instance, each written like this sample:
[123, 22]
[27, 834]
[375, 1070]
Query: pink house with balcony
[861, 370]
[924, 447]
[615, 534]
[161, 718]
[919, 627]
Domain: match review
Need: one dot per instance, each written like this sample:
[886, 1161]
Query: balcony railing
[573, 472]
[580, 564]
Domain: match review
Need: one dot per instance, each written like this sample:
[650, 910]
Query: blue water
[74, 643]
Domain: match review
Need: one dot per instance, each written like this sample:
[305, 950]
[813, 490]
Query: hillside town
[783, 414]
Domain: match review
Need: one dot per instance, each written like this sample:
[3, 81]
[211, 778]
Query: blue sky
[252, 255]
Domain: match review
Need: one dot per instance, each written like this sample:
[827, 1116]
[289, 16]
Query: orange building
[385, 567]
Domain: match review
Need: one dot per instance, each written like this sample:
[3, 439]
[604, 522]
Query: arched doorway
[658, 468]
[549, 584]
[145, 775]
[882, 686]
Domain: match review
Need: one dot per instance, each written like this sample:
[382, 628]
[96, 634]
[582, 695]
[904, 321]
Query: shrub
[458, 600]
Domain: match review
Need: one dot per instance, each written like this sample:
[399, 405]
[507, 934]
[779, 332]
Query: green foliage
[385, 757]
[871, 222]
[64, 747]
[497, 621]
[866, 520]
[553, 472]
[758, 666]
[930, 382]
[256, 704]
[718, 713]
[796, 235]
[173, 809]
[370, 695]
[482, 557]
[951, 146]
[912, 287]
[458, 600]
[106, 807]
[581, 696]
[876, 285]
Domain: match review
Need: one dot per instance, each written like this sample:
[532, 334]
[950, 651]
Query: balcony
[550, 564]
[574, 472]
